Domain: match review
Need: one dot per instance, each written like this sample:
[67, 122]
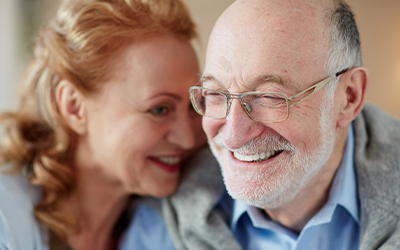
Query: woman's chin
[163, 192]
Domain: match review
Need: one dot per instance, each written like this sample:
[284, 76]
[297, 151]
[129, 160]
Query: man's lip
[256, 158]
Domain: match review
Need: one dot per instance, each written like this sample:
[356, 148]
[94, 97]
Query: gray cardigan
[194, 223]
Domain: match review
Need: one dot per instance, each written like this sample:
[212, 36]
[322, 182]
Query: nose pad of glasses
[247, 107]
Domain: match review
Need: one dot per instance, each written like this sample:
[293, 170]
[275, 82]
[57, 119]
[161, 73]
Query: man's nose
[239, 127]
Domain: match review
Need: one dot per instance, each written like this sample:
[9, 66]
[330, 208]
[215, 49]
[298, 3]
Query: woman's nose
[182, 132]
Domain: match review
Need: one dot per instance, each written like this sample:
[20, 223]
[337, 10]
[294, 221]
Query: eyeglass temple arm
[316, 87]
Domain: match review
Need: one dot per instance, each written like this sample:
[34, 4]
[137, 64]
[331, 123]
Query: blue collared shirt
[335, 226]
[147, 231]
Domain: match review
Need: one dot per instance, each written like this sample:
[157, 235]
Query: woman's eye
[162, 110]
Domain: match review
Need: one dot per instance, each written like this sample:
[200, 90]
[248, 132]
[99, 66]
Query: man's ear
[71, 104]
[355, 85]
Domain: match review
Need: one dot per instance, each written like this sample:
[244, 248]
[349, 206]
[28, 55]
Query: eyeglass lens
[263, 107]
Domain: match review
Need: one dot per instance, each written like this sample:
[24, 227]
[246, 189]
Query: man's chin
[256, 200]
[252, 185]
[249, 192]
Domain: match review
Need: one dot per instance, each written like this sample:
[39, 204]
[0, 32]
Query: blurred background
[378, 21]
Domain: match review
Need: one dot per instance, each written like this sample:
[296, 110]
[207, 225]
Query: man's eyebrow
[268, 78]
[257, 80]
[205, 78]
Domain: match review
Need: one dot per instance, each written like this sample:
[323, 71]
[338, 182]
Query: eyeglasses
[265, 107]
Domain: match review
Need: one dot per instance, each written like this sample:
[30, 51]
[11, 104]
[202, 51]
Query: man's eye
[162, 110]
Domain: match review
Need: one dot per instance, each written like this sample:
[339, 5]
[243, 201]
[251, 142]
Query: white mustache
[258, 144]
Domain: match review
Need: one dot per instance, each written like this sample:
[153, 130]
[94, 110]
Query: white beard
[275, 187]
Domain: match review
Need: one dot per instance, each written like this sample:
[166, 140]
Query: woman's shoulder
[18, 226]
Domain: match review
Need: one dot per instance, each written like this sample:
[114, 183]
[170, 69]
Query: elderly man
[307, 165]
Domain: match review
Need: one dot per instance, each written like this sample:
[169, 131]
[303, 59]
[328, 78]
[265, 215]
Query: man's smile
[257, 157]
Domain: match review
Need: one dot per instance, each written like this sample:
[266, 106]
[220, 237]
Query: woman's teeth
[257, 157]
[170, 160]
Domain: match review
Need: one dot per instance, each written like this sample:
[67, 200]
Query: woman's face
[141, 125]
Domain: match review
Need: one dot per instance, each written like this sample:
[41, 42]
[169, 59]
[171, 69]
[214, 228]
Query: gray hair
[345, 47]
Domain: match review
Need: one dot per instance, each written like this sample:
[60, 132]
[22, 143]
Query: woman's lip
[167, 167]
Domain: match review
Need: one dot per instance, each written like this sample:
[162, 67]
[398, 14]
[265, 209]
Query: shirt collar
[343, 192]
[344, 186]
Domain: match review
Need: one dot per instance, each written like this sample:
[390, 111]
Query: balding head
[287, 30]
[321, 30]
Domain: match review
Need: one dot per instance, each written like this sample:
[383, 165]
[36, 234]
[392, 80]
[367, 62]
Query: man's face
[255, 46]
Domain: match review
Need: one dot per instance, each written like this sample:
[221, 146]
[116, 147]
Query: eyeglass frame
[230, 97]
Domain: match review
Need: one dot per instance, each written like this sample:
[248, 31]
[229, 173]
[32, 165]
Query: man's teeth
[255, 157]
[170, 160]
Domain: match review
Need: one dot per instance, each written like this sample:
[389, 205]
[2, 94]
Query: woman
[104, 114]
